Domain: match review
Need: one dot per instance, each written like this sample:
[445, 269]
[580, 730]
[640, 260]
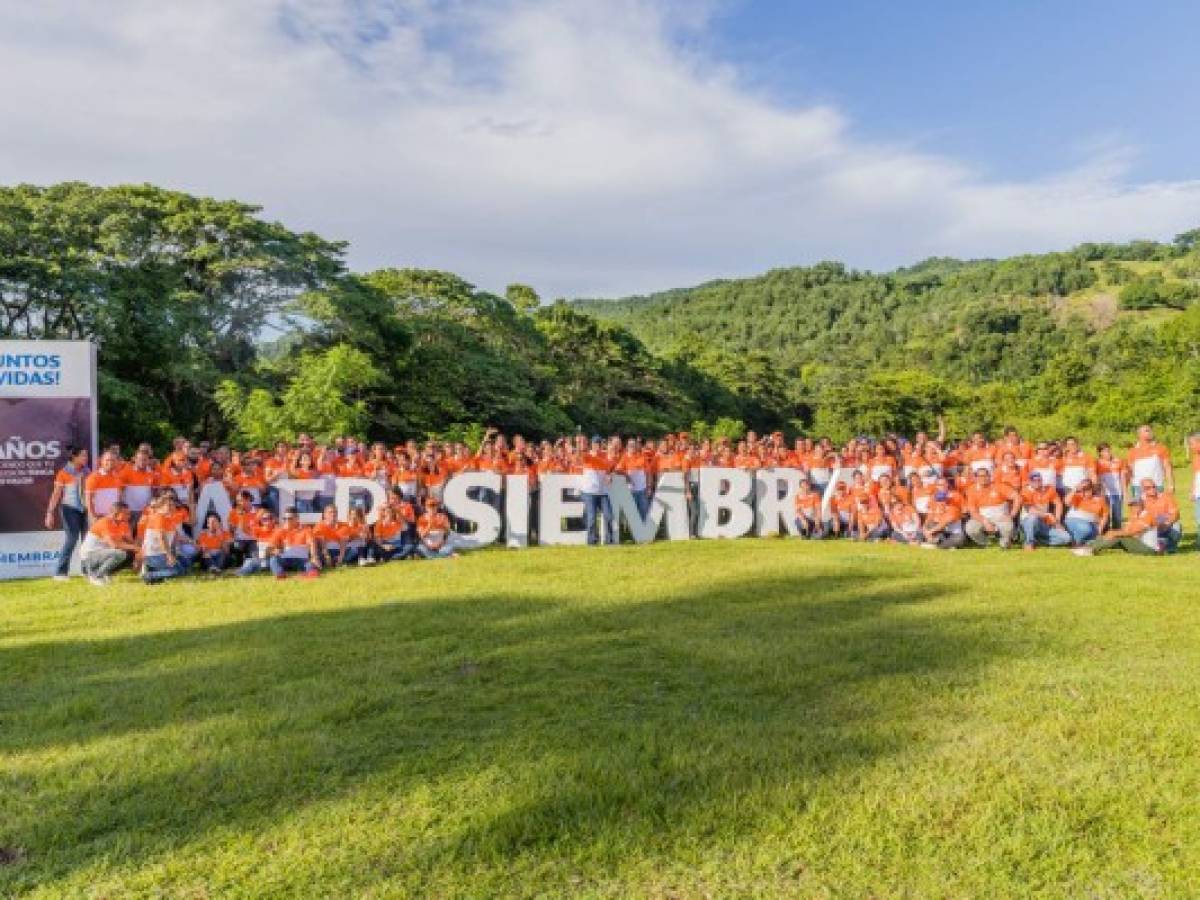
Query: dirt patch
[10, 856]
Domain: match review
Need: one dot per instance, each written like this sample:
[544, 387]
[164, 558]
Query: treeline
[212, 321]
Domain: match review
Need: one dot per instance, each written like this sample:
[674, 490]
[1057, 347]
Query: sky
[612, 147]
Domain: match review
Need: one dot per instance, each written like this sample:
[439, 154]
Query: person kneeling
[1153, 531]
[107, 546]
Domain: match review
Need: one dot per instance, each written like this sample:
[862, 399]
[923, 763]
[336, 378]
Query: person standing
[67, 499]
[597, 467]
[1148, 459]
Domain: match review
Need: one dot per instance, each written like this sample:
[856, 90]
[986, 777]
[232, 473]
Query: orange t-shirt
[211, 541]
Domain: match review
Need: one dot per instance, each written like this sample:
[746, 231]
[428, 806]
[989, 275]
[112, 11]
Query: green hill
[1069, 340]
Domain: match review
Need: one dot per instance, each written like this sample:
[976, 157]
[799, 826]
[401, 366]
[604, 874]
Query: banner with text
[47, 403]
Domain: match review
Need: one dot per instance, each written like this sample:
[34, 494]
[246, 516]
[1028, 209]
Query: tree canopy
[214, 321]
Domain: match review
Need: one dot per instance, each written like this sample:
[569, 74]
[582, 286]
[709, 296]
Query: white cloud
[576, 145]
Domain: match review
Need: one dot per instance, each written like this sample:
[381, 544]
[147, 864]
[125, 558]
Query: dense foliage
[213, 321]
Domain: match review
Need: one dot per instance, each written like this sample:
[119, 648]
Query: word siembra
[729, 504]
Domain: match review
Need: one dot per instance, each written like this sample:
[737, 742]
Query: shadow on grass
[591, 722]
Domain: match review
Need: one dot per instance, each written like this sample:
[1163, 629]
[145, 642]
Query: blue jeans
[401, 548]
[156, 568]
[74, 523]
[809, 528]
[1081, 531]
[1171, 537]
[1036, 531]
[306, 504]
[215, 560]
[642, 501]
[1115, 517]
[594, 505]
[253, 565]
[346, 557]
[282, 565]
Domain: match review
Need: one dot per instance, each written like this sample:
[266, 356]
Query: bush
[1154, 291]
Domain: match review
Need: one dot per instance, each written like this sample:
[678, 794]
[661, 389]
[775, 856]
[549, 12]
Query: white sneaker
[62, 577]
[1083, 551]
[928, 546]
[98, 580]
[363, 561]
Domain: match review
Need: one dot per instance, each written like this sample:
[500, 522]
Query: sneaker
[96, 581]
[311, 574]
[281, 577]
[1029, 548]
[62, 577]
[363, 561]
[1083, 551]
[928, 546]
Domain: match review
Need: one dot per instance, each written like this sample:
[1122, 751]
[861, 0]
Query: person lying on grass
[1154, 529]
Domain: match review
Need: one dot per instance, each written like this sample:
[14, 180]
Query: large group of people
[139, 510]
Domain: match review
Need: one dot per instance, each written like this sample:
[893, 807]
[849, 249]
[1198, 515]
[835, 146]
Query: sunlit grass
[727, 718]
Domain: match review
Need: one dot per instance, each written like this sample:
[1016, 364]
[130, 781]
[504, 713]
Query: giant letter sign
[725, 490]
[47, 402]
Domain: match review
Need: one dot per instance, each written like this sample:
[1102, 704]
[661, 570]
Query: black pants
[74, 522]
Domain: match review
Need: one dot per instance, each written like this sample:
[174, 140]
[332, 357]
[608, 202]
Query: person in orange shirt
[158, 530]
[390, 537]
[943, 528]
[107, 546]
[1041, 514]
[433, 528]
[1075, 466]
[293, 548]
[842, 507]
[597, 468]
[809, 521]
[335, 546]
[870, 520]
[904, 523]
[1086, 513]
[261, 527]
[978, 455]
[1149, 459]
[992, 508]
[102, 488]
[139, 481]
[1153, 531]
[214, 543]
[634, 467]
[1194, 450]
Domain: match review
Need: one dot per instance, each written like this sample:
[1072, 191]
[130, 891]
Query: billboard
[47, 402]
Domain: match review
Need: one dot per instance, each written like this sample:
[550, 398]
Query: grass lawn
[753, 717]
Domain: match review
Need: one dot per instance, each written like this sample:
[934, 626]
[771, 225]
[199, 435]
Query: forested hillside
[1089, 340]
[214, 322]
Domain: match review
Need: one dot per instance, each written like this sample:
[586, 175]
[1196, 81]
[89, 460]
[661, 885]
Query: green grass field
[753, 717]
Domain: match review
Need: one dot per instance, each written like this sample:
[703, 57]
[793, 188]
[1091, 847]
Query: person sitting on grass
[333, 540]
[390, 541]
[262, 529]
[905, 523]
[243, 519]
[159, 528]
[841, 510]
[1041, 514]
[107, 546]
[943, 526]
[992, 507]
[807, 502]
[293, 548]
[872, 523]
[1154, 530]
[433, 529]
[1087, 512]
[214, 543]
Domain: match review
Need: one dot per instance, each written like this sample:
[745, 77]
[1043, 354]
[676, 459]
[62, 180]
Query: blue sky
[1020, 88]
[602, 148]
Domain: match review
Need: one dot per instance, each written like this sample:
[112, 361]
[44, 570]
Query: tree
[523, 298]
[324, 398]
[176, 290]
